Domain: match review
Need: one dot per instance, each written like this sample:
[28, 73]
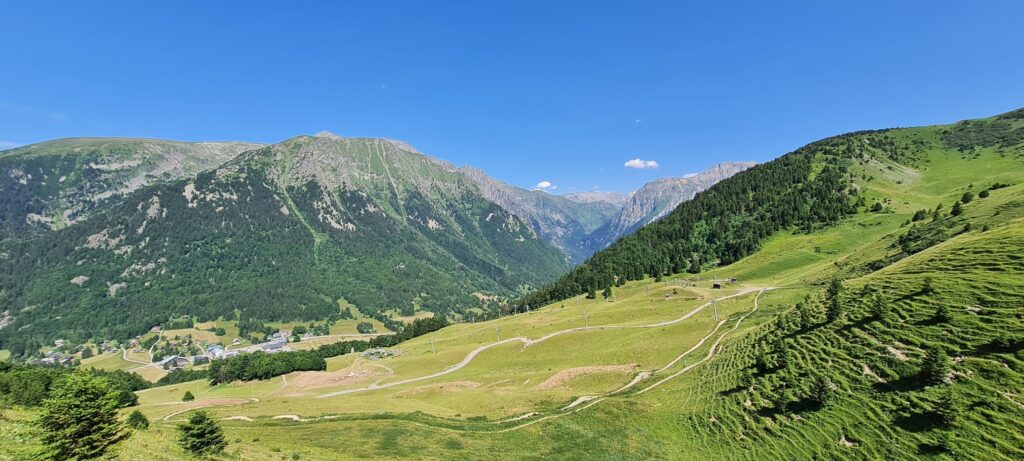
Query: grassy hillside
[795, 366]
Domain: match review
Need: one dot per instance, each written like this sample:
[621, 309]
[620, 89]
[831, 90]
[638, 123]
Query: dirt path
[124, 356]
[588, 401]
[529, 342]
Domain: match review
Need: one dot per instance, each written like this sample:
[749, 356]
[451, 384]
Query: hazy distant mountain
[564, 222]
[614, 198]
[51, 184]
[286, 231]
[657, 198]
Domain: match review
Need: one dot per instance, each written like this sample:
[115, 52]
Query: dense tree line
[30, 385]
[259, 365]
[802, 191]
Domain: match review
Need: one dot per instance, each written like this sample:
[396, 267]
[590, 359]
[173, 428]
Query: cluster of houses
[57, 359]
[377, 354]
[276, 343]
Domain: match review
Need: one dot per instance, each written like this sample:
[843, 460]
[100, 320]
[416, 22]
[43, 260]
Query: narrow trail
[529, 342]
[124, 356]
[584, 402]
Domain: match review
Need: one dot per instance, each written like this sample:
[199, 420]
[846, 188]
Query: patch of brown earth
[564, 376]
[453, 386]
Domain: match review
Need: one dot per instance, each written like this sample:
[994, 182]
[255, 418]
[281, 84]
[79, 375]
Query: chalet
[199, 359]
[173, 362]
[274, 346]
[717, 285]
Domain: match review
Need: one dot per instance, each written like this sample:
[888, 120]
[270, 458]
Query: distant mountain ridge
[286, 231]
[293, 230]
[658, 198]
[564, 222]
[615, 198]
[52, 184]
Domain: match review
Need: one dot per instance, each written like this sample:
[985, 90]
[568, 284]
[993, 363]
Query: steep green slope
[808, 189]
[563, 222]
[49, 185]
[281, 233]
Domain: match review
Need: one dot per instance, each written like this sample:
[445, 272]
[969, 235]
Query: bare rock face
[657, 198]
[563, 222]
[53, 184]
[617, 199]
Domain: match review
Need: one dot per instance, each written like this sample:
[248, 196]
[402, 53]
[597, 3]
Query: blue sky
[563, 92]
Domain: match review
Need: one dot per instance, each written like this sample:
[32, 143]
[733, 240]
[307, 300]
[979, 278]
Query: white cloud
[690, 175]
[8, 144]
[384, 86]
[641, 164]
[545, 185]
[639, 120]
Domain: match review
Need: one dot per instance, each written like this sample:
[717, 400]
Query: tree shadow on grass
[904, 384]
[734, 390]
[918, 421]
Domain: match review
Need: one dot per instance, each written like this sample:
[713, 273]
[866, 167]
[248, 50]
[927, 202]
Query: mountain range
[125, 233]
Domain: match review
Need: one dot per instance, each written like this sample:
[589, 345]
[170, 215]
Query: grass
[702, 409]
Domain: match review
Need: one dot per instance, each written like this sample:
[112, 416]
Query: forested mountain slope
[287, 231]
[658, 198]
[52, 184]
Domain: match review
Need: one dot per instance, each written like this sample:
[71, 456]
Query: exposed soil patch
[568, 374]
[306, 381]
[454, 386]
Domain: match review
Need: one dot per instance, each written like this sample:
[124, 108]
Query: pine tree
[188, 397]
[822, 391]
[949, 407]
[936, 365]
[942, 314]
[201, 435]
[86, 353]
[591, 293]
[806, 315]
[957, 210]
[136, 420]
[79, 420]
[878, 307]
[607, 292]
[781, 354]
[835, 309]
[927, 288]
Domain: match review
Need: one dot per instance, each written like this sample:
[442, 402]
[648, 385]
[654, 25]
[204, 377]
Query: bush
[188, 397]
[201, 435]
[136, 420]
[365, 327]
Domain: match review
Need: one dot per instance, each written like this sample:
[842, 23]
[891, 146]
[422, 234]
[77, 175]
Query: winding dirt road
[529, 342]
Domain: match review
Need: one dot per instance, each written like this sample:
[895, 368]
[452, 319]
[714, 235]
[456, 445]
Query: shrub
[136, 420]
[201, 435]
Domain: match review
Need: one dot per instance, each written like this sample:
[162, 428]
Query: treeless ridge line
[529, 342]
